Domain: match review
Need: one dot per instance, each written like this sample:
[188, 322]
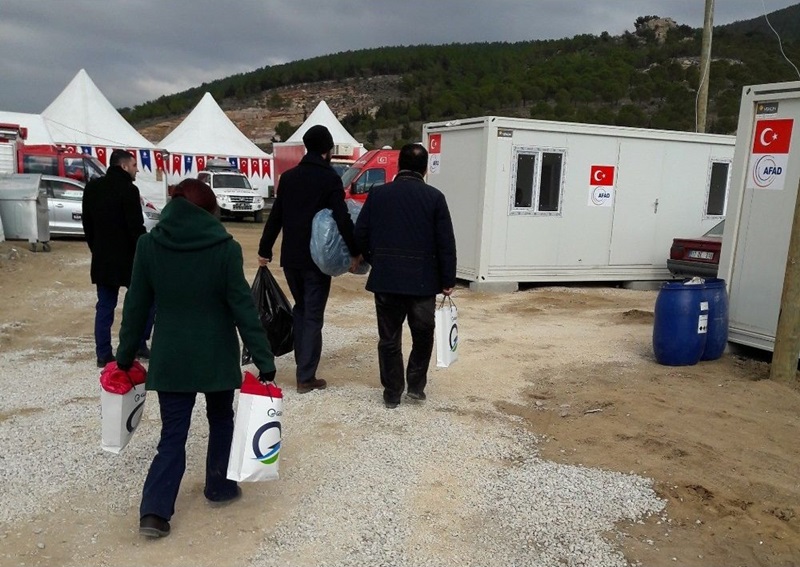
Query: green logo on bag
[273, 451]
[453, 338]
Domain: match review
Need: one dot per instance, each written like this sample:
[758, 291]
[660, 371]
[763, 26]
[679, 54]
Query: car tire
[258, 216]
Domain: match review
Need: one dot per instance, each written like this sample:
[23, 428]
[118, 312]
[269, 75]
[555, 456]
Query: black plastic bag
[275, 313]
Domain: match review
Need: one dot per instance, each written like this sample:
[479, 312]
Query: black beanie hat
[318, 139]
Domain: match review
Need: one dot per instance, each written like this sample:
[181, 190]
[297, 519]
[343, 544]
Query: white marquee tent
[81, 115]
[83, 119]
[324, 115]
[208, 132]
[289, 153]
[38, 134]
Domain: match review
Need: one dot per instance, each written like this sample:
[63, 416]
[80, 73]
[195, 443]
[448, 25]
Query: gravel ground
[441, 483]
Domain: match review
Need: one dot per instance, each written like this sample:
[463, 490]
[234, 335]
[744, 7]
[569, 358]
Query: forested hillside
[647, 78]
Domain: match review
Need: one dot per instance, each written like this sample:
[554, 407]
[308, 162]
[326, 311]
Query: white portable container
[755, 243]
[541, 201]
[23, 210]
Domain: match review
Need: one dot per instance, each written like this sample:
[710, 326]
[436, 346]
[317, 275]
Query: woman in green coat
[191, 269]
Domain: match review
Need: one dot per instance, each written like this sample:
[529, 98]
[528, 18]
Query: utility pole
[705, 66]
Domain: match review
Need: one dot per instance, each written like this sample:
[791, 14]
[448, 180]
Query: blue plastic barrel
[716, 295]
[679, 327]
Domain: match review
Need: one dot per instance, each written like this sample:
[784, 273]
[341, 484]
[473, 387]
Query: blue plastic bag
[328, 249]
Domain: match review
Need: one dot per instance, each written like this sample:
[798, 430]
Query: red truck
[18, 157]
[52, 160]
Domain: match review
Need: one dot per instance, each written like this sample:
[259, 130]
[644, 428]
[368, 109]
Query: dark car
[696, 256]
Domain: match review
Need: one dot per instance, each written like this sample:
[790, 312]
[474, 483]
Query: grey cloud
[139, 50]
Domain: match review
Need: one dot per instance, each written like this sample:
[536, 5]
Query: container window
[526, 168]
[550, 184]
[537, 181]
[717, 188]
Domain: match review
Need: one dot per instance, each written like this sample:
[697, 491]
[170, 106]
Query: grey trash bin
[23, 210]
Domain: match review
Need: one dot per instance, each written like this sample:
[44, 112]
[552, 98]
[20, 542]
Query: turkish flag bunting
[602, 175]
[159, 160]
[266, 171]
[101, 154]
[133, 153]
[773, 136]
[255, 167]
[243, 163]
[72, 149]
[201, 163]
[176, 163]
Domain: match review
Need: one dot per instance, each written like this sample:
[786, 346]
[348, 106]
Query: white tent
[38, 134]
[323, 115]
[83, 119]
[208, 132]
[81, 115]
[289, 153]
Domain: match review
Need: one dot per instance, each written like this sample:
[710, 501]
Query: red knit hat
[197, 192]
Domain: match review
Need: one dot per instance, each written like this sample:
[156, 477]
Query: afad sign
[601, 185]
[770, 154]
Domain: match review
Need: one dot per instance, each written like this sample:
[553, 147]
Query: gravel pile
[448, 482]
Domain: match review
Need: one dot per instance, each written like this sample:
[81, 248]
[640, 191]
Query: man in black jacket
[303, 191]
[404, 230]
[112, 222]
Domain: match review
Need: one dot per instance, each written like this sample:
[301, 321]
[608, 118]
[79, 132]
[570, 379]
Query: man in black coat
[112, 222]
[404, 230]
[303, 191]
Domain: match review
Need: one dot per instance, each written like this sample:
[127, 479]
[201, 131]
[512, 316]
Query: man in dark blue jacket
[404, 230]
[303, 191]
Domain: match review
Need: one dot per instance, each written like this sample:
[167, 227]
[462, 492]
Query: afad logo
[765, 171]
[600, 196]
[272, 453]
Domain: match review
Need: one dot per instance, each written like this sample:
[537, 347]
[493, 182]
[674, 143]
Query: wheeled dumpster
[23, 210]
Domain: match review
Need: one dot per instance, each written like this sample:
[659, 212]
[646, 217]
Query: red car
[696, 256]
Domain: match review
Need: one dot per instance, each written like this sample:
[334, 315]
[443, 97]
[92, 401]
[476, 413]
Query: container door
[633, 231]
[765, 227]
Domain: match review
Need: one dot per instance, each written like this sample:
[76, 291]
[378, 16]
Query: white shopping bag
[122, 397]
[255, 451]
[446, 332]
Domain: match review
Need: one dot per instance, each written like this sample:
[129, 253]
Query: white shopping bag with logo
[446, 333]
[256, 447]
[122, 397]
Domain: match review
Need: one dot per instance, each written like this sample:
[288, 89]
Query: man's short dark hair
[413, 157]
[119, 156]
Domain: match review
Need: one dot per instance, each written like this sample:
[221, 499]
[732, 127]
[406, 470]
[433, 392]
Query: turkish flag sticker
[773, 136]
[435, 143]
[602, 175]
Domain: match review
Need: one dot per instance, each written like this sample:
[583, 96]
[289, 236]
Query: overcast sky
[138, 50]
